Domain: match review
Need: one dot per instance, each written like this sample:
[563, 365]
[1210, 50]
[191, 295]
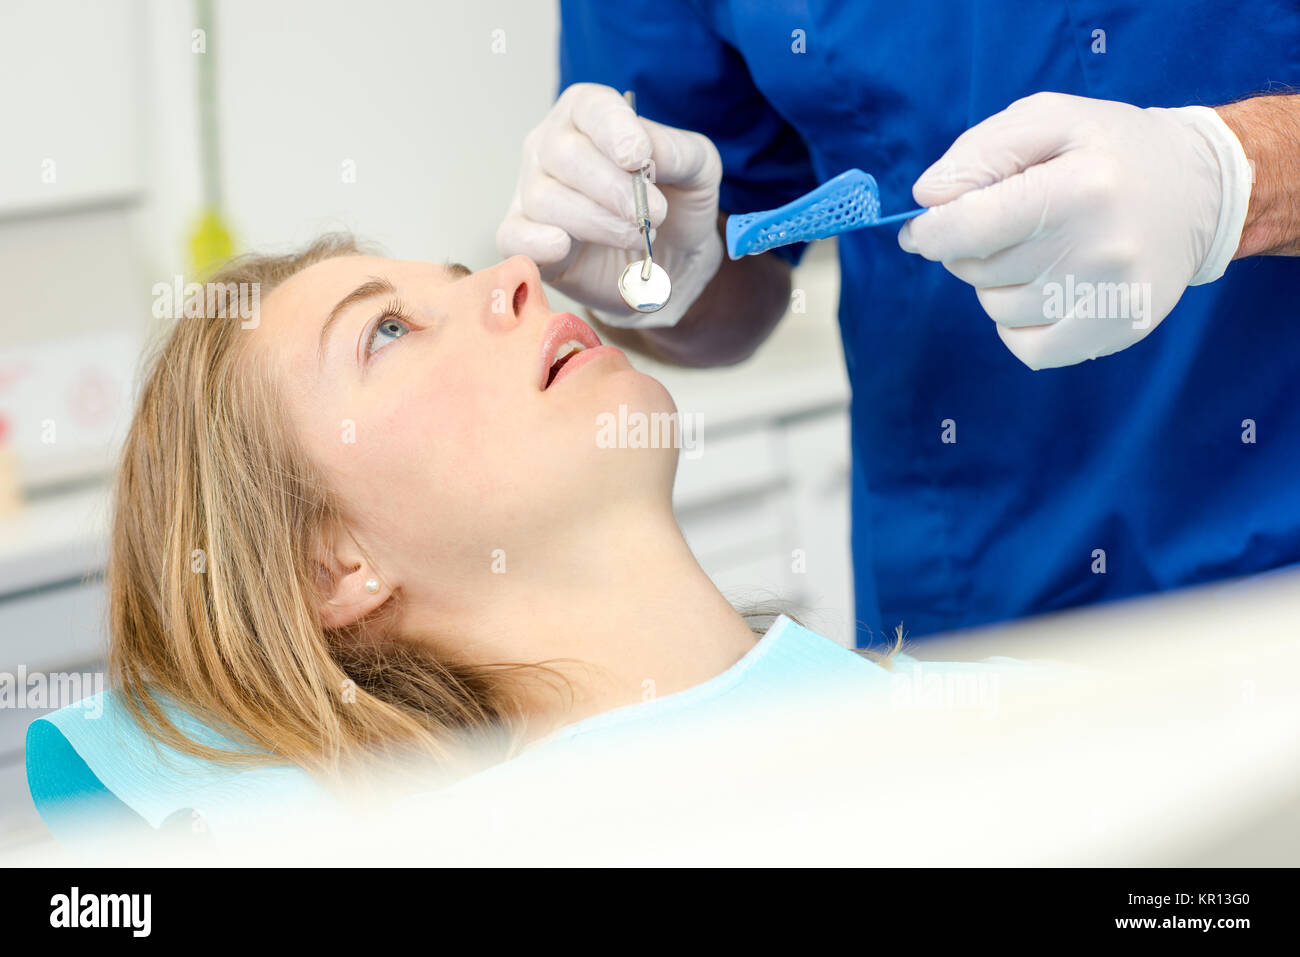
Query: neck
[623, 600]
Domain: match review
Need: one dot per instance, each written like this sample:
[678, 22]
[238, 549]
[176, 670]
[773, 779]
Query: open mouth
[564, 337]
[563, 353]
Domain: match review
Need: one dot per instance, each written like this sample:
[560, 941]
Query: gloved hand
[573, 211]
[1045, 207]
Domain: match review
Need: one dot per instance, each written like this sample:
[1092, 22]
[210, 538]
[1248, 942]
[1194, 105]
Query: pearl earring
[372, 585]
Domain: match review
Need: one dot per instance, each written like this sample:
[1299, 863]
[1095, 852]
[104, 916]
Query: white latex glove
[573, 211]
[1057, 192]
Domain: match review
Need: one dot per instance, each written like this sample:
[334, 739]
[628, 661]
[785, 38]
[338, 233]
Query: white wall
[409, 91]
[72, 76]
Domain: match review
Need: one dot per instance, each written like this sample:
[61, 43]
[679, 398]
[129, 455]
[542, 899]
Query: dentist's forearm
[1269, 130]
[729, 320]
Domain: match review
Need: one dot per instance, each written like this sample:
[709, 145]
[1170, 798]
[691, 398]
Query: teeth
[573, 345]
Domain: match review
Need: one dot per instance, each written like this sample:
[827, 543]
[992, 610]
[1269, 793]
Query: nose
[517, 288]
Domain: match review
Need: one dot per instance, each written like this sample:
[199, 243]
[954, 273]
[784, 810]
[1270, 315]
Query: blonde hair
[218, 520]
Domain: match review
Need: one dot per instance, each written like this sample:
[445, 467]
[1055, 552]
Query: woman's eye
[387, 331]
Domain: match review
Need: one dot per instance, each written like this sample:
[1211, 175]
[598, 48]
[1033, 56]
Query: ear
[342, 575]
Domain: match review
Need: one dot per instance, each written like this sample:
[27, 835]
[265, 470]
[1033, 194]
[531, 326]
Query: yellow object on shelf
[210, 244]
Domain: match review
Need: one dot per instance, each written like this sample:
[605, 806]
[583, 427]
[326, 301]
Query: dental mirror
[643, 285]
[644, 290]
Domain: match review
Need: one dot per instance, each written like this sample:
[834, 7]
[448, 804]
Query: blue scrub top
[1139, 454]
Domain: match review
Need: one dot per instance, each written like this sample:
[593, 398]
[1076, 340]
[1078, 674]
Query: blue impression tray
[849, 201]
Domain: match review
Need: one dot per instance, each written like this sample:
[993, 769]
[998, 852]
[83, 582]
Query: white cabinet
[765, 510]
[70, 112]
[816, 453]
[49, 630]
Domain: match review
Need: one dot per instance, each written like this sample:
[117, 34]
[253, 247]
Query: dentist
[1091, 168]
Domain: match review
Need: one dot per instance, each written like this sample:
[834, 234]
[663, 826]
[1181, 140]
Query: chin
[636, 429]
[608, 389]
[647, 393]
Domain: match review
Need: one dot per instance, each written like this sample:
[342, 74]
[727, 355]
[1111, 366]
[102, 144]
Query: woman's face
[421, 391]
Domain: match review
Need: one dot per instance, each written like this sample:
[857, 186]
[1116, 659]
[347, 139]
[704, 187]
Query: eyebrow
[375, 286]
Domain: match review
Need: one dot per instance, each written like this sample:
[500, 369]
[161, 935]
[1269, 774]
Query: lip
[583, 358]
[560, 329]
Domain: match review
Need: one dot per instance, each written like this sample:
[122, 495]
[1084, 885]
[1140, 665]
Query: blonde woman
[375, 529]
